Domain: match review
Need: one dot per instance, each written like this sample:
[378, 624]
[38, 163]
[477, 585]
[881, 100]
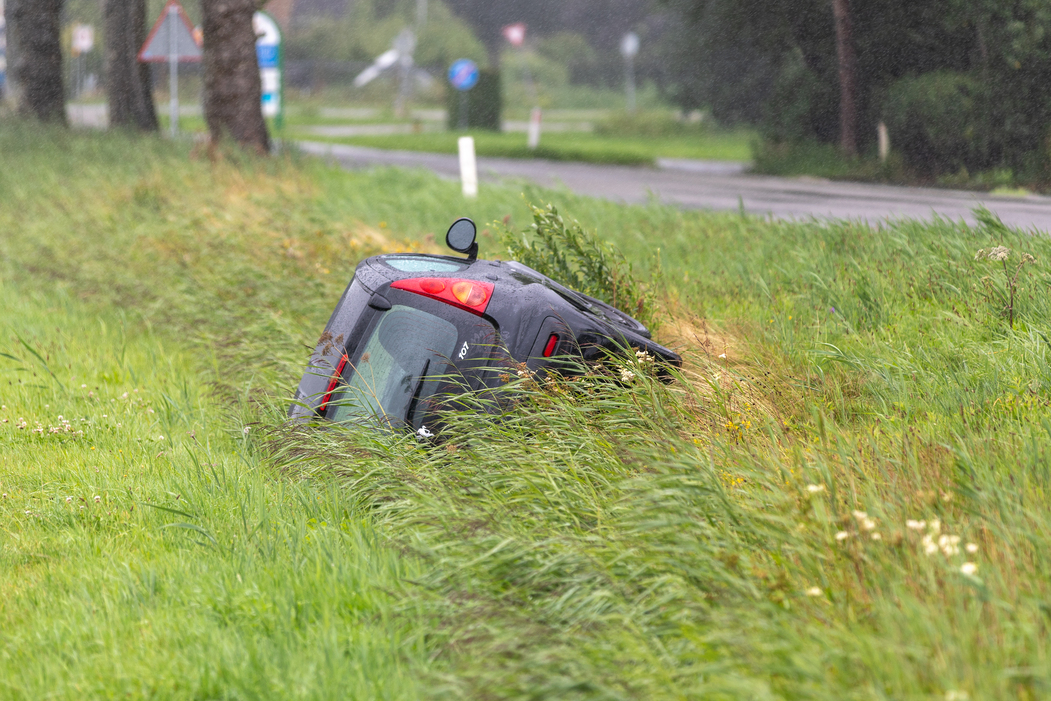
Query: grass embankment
[827, 161]
[567, 146]
[618, 138]
[749, 531]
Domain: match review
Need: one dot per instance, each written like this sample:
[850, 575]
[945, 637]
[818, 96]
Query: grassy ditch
[845, 494]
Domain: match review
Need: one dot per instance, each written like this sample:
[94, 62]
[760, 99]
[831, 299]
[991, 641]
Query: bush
[802, 107]
[567, 252]
[485, 103]
[933, 120]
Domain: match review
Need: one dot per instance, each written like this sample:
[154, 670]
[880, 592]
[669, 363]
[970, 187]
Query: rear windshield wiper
[416, 392]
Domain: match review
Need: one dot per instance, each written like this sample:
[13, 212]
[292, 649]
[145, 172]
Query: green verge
[751, 530]
[561, 146]
[147, 551]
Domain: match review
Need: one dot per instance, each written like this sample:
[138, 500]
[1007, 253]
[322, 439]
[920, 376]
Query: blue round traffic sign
[463, 74]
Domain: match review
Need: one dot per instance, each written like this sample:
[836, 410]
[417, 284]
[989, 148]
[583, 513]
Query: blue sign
[267, 55]
[463, 74]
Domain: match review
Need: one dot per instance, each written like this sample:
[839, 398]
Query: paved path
[716, 185]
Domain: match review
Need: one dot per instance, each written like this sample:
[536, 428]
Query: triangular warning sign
[173, 30]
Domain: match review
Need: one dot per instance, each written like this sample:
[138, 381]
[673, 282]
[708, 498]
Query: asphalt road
[717, 186]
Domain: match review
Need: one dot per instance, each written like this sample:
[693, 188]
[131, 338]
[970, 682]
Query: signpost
[83, 42]
[171, 39]
[515, 35]
[3, 53]
[463, 75]
[629, 49]
[271, 66]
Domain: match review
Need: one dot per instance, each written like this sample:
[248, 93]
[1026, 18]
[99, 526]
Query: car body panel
[525, 308]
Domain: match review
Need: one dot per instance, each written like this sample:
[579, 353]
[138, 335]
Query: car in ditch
[414, 329]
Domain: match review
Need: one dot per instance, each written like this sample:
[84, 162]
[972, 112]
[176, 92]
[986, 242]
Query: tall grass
[750, 530]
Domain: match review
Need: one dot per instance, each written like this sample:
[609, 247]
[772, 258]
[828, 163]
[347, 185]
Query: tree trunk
[232, 90]
[127, 81]
[38, 65]
[848, 111]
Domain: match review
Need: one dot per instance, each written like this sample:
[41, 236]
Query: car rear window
[397, 369]
[423, 265]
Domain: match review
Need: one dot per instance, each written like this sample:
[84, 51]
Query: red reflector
[332, 383]
[550, 347]
[469, 295]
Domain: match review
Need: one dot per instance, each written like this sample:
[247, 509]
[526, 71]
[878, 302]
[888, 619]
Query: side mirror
[460, 237]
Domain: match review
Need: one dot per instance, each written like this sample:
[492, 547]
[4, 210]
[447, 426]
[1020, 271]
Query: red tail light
[332, 384]
[550, 347]
[469, 295]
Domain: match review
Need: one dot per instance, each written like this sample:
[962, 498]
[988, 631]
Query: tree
[232, 89]
[34, 26]
[848, 109]
[127, 80]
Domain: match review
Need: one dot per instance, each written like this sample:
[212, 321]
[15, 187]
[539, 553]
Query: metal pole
[173, 71]
[631, 83]
[463, 110]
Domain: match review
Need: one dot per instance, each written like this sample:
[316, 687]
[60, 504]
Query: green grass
[603, 540]
[571, 146]
[147, 551]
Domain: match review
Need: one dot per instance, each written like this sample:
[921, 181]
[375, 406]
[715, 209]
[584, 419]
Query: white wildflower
[69, 499]
[954, 695]
[626, 375]
[915, 525]
[868, 524]
[815, 488]
[949, 544]
[929, 546]
[969, 568]
[971, 548]
[859, 515]
[723, 356]
[97, 499]
[842, 535]
[245, 430]
[877, 536]
[813, 591]
[998, 254]
[935, 526]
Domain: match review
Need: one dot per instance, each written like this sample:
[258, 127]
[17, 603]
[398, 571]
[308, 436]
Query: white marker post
[468, 167]
[534, 128]
[883, 138]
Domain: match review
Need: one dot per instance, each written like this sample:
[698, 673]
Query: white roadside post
[468, 167]
[629, 49]
[534, 128]
[883, 137]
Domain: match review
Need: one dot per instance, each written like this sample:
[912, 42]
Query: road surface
[717, 186]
